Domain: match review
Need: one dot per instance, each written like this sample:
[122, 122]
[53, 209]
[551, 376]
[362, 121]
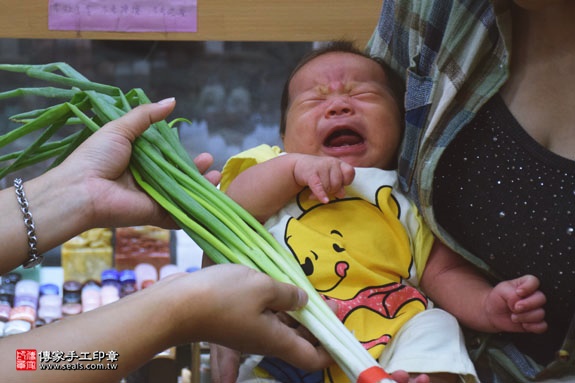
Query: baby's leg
[439, 378]
[430, 343]
[404, 377]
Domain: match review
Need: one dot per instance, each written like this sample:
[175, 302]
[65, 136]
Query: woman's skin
[539, 92]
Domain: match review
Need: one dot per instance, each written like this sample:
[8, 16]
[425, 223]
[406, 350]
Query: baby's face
[341, 106]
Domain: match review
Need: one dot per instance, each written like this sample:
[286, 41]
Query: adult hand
[225, 361]
[92, 188]
[101, 164]
[235, 306]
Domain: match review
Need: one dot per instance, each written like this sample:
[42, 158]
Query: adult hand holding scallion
[163, 168]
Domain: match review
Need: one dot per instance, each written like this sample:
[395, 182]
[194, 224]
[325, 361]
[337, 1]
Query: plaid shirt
[453, 56]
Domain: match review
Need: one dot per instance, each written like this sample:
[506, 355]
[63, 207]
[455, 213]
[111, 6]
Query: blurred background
[230, 91]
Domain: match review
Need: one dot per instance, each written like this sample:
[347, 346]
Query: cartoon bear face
[349, 243]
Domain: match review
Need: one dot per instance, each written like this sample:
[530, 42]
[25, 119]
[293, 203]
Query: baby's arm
[264, 188]
[459, 288]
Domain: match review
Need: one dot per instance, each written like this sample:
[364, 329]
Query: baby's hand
[517, 305]
[325, 176]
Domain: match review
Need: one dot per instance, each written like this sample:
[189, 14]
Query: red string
[373, 375]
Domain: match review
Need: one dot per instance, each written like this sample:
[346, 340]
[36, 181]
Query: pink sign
[123, 15]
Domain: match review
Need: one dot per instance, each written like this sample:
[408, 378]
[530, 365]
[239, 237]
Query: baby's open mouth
[344, 137]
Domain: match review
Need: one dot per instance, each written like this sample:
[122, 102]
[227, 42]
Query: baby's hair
[343, 46]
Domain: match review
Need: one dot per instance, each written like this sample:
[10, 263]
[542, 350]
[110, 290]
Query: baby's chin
[365, 160]
[359, 162]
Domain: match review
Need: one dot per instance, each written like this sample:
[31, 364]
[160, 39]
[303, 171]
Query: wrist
[56, 197]
[34, 258]
[181, 323]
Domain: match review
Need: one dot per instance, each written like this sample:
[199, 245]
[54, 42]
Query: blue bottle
[110, 291]
[127, 282]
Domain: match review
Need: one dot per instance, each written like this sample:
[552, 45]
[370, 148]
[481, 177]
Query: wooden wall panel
[224, 20]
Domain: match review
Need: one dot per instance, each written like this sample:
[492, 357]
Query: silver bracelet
[33, 257]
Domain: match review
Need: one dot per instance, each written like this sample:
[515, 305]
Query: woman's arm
[226, 304]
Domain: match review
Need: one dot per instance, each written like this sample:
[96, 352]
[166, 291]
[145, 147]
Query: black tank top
[511, 202]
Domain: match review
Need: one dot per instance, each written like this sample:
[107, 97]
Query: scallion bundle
[163, 168]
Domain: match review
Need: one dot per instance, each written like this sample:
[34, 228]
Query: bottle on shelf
[11, 278]
[6, 296]
[6, 301]
[71, 298]
[91, 295]
[146, 274]
[16, 326]
[168, 270]
[127, 282]
[110, 291]
[23, 312]
[49, 303]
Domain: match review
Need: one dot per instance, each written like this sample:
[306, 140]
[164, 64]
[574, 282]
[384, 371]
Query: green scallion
[162, 167]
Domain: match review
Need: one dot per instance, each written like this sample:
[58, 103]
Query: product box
[141, 244]
[85, 256]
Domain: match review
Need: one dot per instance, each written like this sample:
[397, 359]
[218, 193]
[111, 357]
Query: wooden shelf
[223, 20]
